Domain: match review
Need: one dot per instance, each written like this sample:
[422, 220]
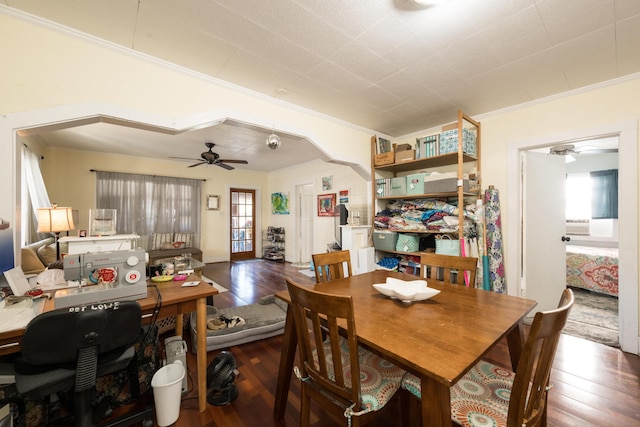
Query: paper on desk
[17, 316]
[194, 283]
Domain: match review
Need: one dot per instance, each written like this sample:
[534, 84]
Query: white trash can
[167, 392]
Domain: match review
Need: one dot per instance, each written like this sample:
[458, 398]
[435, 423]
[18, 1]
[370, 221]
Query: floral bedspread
[592, 268]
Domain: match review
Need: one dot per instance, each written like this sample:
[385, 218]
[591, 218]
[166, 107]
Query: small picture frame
[213, 202]
[326, 204]
[82, 233]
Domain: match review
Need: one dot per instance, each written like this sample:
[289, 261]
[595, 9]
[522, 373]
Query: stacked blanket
[425, 215]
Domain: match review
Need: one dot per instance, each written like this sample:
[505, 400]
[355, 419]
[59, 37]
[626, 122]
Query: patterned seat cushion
[379, 378]
[479, 399]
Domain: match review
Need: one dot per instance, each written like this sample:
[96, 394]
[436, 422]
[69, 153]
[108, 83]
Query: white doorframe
[628, 221]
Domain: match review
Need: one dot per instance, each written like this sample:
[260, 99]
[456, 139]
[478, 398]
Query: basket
[408, 243]
[445, 245]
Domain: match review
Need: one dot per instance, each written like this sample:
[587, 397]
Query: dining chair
[347, 381]
[491, 395]
[331, 265]
[453, 269]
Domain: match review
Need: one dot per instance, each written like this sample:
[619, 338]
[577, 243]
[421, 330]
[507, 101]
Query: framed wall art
[280, 203]
[326, 204]
[213, 202]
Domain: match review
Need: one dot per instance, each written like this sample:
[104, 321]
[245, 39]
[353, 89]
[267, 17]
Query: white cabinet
[355, 238]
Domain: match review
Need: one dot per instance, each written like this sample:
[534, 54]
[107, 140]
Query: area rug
[214, 284]
[594, 317]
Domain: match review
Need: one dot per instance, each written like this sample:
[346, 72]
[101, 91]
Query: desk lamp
[54, 220]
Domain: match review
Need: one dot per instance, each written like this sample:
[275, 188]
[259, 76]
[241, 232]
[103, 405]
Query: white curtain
[148, 204]
[34, 194]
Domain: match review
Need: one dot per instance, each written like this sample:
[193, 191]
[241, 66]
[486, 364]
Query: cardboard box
[385, 240]
[415, 183]
[398, 186]
[384, 159]
[405, 155]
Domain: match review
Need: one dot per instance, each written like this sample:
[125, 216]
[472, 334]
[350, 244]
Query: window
[604, 194]
[578, 196]
[148, 204]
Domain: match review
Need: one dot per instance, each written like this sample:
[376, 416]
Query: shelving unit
[454, 160]
[273, 243]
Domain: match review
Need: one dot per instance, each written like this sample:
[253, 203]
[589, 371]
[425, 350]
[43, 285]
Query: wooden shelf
[450, 194]
[429, 162]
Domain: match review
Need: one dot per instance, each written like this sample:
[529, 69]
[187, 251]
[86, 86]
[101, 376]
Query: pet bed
[262, 320]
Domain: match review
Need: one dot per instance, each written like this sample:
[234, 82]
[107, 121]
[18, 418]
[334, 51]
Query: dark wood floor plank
[594, 385]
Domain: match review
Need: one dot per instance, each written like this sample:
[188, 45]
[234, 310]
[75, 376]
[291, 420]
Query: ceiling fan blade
[197, 164]
[223, 165]
[598, 151]
[186, 158]
[243, 162]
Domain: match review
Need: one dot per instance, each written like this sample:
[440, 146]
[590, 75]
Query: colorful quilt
[592, 268]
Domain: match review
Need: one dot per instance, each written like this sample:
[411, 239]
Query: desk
[438, 340]
[175, 300]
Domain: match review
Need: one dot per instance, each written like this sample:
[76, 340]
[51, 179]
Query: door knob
[566, 238]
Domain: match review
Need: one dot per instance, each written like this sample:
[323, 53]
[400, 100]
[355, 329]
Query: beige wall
[50, 76]
[56, 77]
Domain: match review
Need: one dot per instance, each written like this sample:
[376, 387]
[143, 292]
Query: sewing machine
[116, 275]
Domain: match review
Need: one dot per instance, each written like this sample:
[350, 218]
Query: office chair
[332, 365]
[491, 395]
[69, 348]
[330, 265]
[449, 268]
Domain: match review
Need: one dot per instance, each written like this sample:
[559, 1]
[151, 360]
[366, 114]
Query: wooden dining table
[438, 340]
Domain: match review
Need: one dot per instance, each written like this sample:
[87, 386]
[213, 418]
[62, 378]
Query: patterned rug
[594, 317]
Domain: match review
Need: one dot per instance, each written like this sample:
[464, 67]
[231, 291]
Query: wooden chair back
[330, 265]
[441, 267]
[528, 401]
[316, 316]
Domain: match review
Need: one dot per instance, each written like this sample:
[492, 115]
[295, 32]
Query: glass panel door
[242, 224]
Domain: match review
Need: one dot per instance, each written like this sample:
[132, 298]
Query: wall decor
[280, 203]
[213, 202]
[343, 196]
[327, 183]
[326, 204]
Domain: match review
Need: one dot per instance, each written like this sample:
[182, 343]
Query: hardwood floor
[594, 385]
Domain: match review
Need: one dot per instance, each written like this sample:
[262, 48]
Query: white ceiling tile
[590, 58]
[567, 19]
[628, 45]
[626, 8]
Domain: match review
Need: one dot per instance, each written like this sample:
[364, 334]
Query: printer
[114, 276]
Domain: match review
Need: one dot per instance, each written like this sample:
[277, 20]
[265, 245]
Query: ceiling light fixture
[273, 141]
[429, 2]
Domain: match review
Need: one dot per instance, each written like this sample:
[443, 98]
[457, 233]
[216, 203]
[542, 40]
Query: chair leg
[305, 407]
[410, 407]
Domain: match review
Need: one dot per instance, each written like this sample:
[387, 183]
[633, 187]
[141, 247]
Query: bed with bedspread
[593, 268]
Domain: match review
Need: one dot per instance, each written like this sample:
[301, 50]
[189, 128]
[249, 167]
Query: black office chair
[69, 348]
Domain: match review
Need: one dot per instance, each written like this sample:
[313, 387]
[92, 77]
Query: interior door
[307, 212]
[544, 228]
[243, 240]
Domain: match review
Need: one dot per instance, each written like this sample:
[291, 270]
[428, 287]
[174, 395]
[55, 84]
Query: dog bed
[262, 320]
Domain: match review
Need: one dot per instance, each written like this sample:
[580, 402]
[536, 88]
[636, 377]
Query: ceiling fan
[568, 149]
[211, 158]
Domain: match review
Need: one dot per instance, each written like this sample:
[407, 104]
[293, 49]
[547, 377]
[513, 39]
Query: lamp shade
[55, 220]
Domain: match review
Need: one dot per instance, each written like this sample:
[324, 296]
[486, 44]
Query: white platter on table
[406, 291]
